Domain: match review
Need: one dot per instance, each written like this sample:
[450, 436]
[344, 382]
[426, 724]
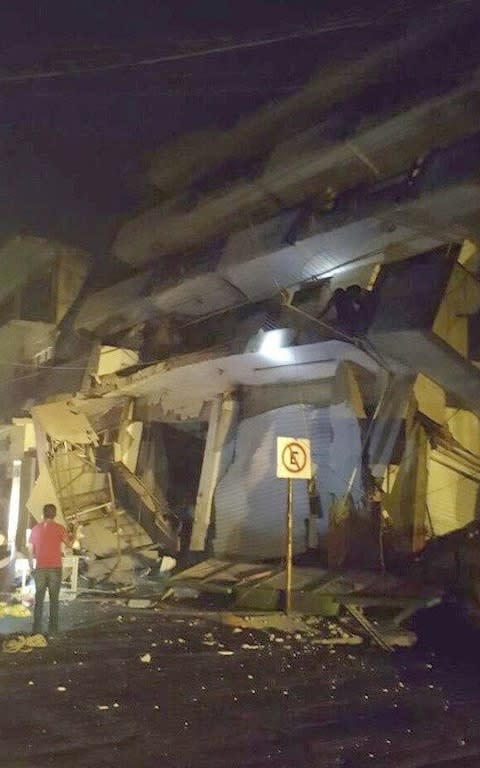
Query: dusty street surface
[148, 689]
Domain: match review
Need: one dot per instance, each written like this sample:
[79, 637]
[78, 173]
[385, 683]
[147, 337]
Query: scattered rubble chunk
[348, 640]
[138, 603]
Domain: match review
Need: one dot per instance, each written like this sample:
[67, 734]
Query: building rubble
[310, 297]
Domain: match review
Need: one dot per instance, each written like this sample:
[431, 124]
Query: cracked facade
[330, 290]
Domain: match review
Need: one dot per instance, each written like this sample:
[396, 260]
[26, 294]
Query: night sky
[74, 149]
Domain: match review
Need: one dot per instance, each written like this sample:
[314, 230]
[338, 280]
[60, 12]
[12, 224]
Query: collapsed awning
[183, 384]
[63, 422]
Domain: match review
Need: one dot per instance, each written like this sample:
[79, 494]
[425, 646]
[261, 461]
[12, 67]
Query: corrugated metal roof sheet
[250, 501]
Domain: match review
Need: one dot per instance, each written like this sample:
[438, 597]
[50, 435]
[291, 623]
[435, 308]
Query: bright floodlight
[273, 347]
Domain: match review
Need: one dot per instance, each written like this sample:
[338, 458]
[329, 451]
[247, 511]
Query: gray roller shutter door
[250, 502]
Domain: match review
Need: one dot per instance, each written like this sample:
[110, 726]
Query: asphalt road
[149, 689]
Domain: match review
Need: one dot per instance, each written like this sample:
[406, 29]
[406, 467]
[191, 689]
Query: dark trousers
[51, 579]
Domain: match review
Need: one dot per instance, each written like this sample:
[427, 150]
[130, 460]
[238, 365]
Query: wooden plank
[368, 627]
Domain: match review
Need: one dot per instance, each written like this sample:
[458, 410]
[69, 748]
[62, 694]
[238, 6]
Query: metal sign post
[293, 462]
[289, 552]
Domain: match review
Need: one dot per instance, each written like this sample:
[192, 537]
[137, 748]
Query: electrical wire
[296, 278]
[188, 55]
[351, 23]
[60, 367]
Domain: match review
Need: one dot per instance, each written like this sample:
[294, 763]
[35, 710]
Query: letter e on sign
[294, 458]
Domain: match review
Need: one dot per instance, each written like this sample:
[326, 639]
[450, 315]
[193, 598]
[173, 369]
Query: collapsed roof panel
[374, 151]
[115, 307]
[61, 381]
[424, 352]
[196, 296]
[184, 384]
[63, 422]
[390, 220]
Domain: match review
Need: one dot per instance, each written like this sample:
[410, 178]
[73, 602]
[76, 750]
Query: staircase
[84, 493]
[150, 511]
[87, 495]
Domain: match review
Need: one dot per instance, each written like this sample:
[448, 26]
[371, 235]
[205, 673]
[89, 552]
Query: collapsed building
[330, 290]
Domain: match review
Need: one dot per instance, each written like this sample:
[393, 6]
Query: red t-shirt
[46, 539]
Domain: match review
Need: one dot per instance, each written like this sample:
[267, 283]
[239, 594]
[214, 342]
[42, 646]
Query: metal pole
[288, 571]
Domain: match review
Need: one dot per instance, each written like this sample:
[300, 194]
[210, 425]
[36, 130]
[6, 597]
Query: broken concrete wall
[452, 498]
[437, 486]
[16, 340]
[431, 398]
[114, 359]
[452, 487]
[250, 502]
[461, 299]
[465, 428]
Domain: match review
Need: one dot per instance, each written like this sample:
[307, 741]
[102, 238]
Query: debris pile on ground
[300, 629]
[23, 643]
[15, 610]
[159, 687]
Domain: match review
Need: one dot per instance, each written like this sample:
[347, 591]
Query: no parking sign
[294, 462]
[294, 458]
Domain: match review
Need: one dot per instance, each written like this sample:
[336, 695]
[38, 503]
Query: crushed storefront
[331, 295]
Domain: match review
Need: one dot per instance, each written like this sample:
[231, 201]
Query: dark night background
[73, 149]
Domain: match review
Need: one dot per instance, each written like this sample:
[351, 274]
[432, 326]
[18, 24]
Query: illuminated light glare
[375, 259]
[272, 349]
[14, 504]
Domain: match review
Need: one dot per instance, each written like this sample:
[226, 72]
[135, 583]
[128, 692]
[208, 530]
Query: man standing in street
[45, 545]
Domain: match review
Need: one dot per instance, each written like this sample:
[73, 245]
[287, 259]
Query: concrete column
[223, 414]
[127, 448]
[388, 421]
[420, 497]
[407, 502]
